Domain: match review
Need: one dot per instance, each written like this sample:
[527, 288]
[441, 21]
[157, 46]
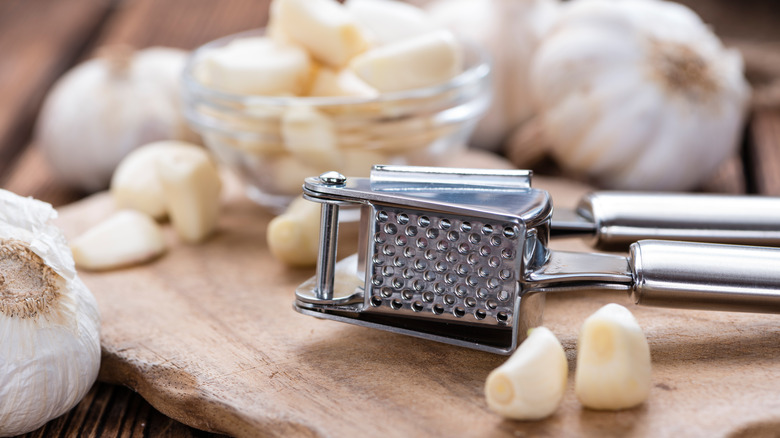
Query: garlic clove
[388, 21]
[531, 383]
[417, 62]
[323, 27]
[293, 237]
[135, 184]
[192, 185]
[257, 65]
[127, 238]
[613, 361]
[310, 136]
[329, 82]
[50, 325]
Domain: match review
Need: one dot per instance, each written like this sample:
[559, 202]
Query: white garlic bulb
[105, 107]
[49, 321]
[638, 94]
[510, 30]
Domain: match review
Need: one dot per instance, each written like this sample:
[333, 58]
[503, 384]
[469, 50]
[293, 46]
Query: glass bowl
[264, 139]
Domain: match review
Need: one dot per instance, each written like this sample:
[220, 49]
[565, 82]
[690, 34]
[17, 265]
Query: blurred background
[41, 39]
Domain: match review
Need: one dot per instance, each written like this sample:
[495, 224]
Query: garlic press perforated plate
[461, 255]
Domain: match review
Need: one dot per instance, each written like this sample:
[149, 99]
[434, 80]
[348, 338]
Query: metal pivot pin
[329, 229]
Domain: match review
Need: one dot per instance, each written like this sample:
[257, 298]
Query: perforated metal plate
[462, 268]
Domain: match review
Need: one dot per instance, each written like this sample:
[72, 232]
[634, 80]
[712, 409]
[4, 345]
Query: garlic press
[461, 256]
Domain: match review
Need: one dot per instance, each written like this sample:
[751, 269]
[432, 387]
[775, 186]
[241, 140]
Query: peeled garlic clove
[293, 237]
[135, 183]
[191, 184]
[531, 383]
[49, 321]
[613, 360]
[329, 82]
[127, 238]
[310, 136]
[104, 108]
[418, 62]
[323, 27]
[388, 21]
[257, 65]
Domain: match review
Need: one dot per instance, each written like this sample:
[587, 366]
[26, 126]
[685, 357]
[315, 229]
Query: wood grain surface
[207, 335]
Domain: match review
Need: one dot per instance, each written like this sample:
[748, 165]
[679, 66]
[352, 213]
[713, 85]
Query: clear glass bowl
[263, 138]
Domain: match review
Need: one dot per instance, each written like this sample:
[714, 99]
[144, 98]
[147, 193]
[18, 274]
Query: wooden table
[41, 39]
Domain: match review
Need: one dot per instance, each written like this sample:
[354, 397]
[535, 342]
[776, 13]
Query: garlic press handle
[621, 218]
[705, 276]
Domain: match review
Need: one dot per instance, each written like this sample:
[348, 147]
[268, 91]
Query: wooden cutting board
[208, 336]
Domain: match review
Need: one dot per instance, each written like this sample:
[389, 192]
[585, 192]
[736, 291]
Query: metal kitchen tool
[618, 219]
[461, 256]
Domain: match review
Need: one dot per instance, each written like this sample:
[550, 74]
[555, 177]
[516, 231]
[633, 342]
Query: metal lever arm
[617, 219]
[705, 276]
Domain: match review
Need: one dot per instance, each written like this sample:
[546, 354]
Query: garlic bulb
[638, 94]
[510, 30]
[105, 107]
[49, 321]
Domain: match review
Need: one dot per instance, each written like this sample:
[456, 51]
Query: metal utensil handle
[706, 276]
[622, 218]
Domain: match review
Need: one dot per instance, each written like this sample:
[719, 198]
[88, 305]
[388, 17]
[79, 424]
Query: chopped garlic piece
[258, 65]
[293, 237]
[418, 62]
[613, 360]
[191, 184]
[323, 27]
[388, 21]
[329, 82]
[127, 238]
[530, 385]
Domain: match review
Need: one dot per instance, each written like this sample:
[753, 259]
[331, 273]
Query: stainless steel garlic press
[461, 256]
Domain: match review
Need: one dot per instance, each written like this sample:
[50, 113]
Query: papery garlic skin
[49, 348]
[510, 30]
[104, 108]
[638, 94]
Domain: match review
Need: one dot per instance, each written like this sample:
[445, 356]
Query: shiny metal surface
[461, 257]
[329, 229]
[621, 218]
[706, 276]
[571, 267]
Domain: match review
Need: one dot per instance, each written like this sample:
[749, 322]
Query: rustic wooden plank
[38, 41]
[764, 153]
